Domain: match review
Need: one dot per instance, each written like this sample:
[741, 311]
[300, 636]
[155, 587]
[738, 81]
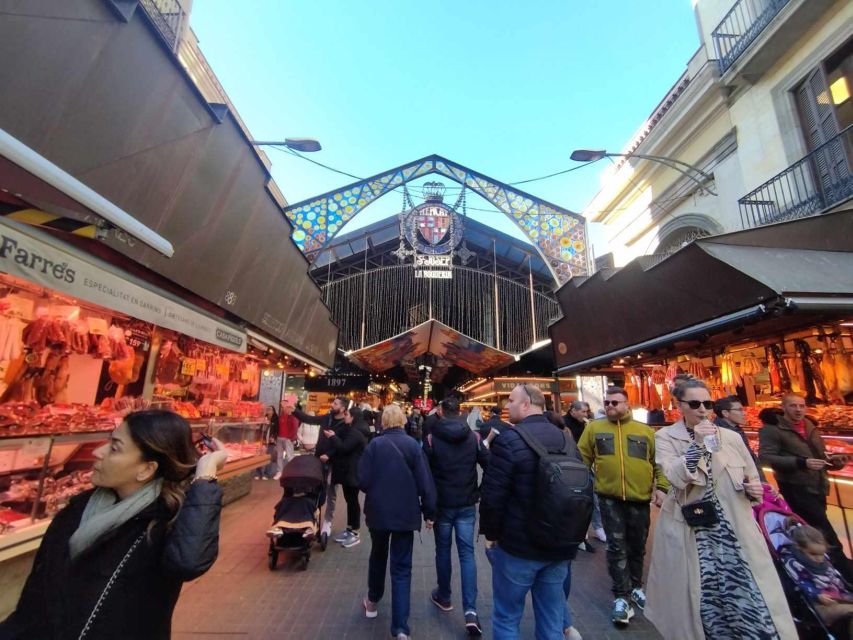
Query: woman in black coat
[348, 444]
[112, 563]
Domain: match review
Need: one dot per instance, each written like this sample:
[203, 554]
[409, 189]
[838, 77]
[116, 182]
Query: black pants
[811, 507]
[353, 508]
[626, 524]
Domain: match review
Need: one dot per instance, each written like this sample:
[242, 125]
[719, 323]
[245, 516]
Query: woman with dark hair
[711, 574]
[267, 472]
[112, 563]
[347, 445]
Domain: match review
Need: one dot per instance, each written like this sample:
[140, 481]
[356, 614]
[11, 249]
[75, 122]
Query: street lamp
[589, 155]
[297, 144]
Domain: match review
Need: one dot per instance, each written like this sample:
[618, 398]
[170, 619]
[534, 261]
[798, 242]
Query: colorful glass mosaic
[559, 234]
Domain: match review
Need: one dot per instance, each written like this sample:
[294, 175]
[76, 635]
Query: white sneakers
[599, 534]
[572, 634]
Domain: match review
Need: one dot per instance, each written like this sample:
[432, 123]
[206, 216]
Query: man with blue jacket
[454, 451]
[506, 505]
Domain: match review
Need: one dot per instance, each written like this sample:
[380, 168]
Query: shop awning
[709, 286]
[45, 181]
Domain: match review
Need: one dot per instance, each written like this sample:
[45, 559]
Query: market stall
[82, 348]
[755, 314]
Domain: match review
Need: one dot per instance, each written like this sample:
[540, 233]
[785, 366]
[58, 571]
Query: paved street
[241, 598]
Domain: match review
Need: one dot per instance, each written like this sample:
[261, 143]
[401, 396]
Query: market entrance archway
[558, 234]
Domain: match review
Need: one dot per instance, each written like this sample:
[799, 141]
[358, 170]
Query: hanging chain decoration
[401, 252]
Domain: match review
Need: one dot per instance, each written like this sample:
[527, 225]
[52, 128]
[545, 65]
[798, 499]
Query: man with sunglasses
[621, 452]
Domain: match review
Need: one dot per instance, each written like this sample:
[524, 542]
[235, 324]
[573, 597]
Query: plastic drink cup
[713, 443]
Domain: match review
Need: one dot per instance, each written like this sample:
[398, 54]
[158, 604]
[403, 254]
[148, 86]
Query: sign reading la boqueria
[28, 257]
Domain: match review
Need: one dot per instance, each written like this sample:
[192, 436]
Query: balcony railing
[741, 26]
[816, 183]
[168, 16]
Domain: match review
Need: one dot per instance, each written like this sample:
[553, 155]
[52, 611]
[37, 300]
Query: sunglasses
[612, 403]
[695, 404]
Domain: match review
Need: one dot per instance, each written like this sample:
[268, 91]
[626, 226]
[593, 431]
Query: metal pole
[532, 306]
[497, 316]
[364, 293]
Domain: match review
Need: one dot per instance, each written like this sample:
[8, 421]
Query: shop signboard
[25, 256]
[333, 383]
[506, 386]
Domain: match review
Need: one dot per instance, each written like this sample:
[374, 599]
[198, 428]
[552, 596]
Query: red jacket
[288, 426]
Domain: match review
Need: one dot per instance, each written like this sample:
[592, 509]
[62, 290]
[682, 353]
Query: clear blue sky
[505, 87]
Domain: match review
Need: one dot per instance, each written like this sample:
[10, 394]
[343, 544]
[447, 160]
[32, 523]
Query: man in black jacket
[493, 423]
[454, 451]
[506, 503]
[324, 450]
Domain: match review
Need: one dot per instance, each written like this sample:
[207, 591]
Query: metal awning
[45, 181]
[710, 286]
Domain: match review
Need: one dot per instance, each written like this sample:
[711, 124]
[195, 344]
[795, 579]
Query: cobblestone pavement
[241, 598]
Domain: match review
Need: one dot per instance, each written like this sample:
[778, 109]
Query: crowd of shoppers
[152, 521]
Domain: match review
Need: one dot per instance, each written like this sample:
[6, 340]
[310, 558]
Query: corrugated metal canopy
[710, 279]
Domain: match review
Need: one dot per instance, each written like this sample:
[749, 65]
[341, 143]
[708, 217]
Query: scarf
[105, 513]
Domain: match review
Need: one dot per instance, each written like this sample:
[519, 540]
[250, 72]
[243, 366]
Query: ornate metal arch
[558, 234]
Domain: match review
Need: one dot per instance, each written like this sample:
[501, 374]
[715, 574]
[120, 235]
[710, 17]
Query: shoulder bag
[704, 512]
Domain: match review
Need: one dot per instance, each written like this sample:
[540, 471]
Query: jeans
[283, 452]
[462, 519]
[331, 499]
[567, 588]
[596, 513]
[626, 524]
[353, 508]
[401, 543]
[512, 578]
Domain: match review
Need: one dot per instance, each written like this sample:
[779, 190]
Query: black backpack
[562, 504]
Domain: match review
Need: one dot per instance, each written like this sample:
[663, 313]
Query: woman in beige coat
[716, 581]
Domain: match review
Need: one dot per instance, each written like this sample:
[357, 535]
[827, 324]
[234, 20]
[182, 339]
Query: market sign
[51, 266]
[427, 266]
[333, 383]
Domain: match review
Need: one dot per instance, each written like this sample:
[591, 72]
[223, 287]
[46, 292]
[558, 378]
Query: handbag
[703, 513]
[109, 586]
[700, 514]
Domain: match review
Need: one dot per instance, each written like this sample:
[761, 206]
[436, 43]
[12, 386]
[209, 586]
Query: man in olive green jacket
[621, 452]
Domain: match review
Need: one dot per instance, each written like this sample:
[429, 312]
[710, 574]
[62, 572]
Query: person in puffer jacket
[506, 504]
[454, 451]
[150, 524]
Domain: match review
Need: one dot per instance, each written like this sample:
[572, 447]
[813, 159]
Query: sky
[504, 87]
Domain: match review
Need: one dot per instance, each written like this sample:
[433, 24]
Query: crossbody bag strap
[400, 453]
[532, 442]
[109, 586]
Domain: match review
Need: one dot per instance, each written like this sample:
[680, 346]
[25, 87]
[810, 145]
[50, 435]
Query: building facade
[763, 110]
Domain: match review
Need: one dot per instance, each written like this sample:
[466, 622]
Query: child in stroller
[809, 580]
[805, 561]
[296, 521]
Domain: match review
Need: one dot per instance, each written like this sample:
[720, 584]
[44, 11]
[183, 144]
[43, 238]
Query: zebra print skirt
[731, 604]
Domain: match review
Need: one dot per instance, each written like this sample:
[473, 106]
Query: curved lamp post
[297, 144]
[589, 155]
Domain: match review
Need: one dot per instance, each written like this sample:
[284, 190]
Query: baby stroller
[297, 514]
[774, 517]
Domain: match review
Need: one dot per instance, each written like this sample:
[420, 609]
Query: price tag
[200, 365]
[188, 367]
[244, 374]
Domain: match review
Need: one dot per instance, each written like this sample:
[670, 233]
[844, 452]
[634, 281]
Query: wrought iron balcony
[741, 26]
[168, 16]
[816, 183]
